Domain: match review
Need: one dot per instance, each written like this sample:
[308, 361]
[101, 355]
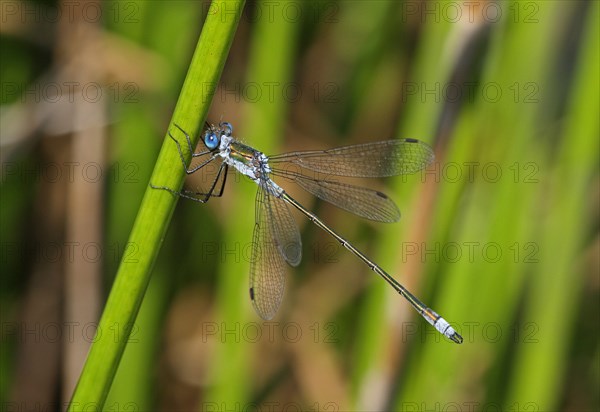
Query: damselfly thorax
[248, 161]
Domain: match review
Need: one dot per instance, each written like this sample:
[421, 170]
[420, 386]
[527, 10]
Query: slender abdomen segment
[442, 325]
[430, 316]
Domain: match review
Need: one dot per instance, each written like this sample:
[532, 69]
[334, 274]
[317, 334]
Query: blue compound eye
[211, 140]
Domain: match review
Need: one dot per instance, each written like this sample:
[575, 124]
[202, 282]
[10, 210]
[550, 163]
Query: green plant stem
[156, 209]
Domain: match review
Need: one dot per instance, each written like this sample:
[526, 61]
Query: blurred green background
[499, 235]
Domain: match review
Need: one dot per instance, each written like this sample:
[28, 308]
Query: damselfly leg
[198, 196]
[191, 149]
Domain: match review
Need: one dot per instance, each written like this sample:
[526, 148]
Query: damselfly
[276, 236]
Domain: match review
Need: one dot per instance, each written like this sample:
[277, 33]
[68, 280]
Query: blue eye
[211, 140]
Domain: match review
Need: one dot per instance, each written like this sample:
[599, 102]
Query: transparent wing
[267, 269]
[367, 203]
[379, 159]
[284, 229]
[276, 240]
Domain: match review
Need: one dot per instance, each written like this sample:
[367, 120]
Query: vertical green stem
[156, 209]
